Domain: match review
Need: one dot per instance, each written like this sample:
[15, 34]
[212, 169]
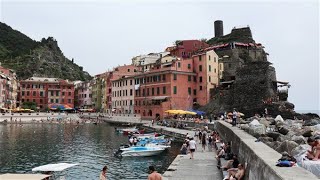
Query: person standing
[192, 147]
[204, 141]
[154, 175]
[234, 117]
[103, 174]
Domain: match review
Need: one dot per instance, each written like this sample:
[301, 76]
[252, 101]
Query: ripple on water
[23, 148]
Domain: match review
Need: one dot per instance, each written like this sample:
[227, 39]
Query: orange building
[46, 91]
[176, 85]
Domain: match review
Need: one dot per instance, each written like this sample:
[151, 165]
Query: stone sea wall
[259, 159]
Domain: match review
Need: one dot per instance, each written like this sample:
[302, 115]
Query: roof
[43, 79]
[23, 176]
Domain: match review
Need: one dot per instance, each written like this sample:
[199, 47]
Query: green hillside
[32, 58]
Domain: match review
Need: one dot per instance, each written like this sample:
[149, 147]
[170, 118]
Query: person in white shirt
[192, 147]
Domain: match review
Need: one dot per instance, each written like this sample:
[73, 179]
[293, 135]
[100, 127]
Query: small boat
[126, 131]
[141, 151]
[163, 146]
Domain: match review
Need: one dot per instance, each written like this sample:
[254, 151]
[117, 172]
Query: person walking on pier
[192, 147]
[234, 117]
[154, 175]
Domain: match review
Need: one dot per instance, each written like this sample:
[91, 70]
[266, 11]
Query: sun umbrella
[191, 113]
[240, 114]
[229, 114]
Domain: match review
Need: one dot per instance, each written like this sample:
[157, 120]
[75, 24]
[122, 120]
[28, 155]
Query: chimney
[218, 28]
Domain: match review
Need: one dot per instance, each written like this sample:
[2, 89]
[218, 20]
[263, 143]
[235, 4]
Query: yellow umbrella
[181, 112]
[171, 111]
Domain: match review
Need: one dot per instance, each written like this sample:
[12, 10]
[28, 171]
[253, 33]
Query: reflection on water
[92, 146]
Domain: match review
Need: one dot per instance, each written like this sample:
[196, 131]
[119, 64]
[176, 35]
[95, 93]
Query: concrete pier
[202, 167]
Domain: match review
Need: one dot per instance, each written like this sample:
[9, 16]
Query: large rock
[264, 122]
[244, 127]
[266, 139]
[299, 139]
[279, 119]
[300, 149]
[287, 146]
[273, 144]
[311, 122]
[307, 133]
[283, 130]
[273, 135]
[256, 129]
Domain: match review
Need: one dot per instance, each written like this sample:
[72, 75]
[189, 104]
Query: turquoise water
[92, 146]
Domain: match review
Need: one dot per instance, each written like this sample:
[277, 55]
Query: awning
[159, 97]
[9, 176]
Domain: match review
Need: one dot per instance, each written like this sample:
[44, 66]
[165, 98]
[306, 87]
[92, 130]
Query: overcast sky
[101, 35]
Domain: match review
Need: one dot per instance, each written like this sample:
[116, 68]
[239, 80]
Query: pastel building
[186, 48]
[8, 88]
[83, 95]
[123, 95]
[46, 92]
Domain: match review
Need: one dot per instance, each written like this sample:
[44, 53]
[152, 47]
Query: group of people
[153, 174]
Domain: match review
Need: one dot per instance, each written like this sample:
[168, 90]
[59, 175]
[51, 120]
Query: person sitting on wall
[235, 173]
[232, 163]
[314, 153]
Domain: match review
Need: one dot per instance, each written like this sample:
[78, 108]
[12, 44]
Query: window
[189, 90]
[51, 100]
[22, 93]
[33, 100]
[130, 102]
[174, 76]
[51, 93]
[41, 93]
[189, 77]
[215, 59]
[69, 93]
[194, 92]
[189, 66]
[158, 90]
[200, 58]
[194, 78]
[41, 101]
[200, 68]
[164, 90]
[152, 91]
[209, 68]
[200, 88]
[57, 93]
[200, 79]
[128, 70]
[179, 64]
[69, 100]
[209, 78]
[209, 57]
[33, 93]
[174, 89]
[57, 100]
[164, 77]
[28, 93]
[62, 93]
[215, 70]
[130, 81]
[229, 65]
[131, 92]
[220, 66]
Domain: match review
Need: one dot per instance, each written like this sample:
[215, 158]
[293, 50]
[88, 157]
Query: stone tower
[218, 28]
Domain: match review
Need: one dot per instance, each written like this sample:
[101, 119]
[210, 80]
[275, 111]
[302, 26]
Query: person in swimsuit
[235, 173]
[103, 175]
[314, 153]
[154, 175]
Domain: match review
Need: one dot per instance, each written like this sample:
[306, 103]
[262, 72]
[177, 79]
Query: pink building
[186, 48]
[83, 95]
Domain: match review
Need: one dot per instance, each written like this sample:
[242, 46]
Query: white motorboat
[163, 146]
[141, 151]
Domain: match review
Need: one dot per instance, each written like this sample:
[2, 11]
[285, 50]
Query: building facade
[83, 95]
[46, 91]
[123, 95]
[8, 88]
[186, 48]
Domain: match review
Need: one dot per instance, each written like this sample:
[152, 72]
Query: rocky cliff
[32, 58]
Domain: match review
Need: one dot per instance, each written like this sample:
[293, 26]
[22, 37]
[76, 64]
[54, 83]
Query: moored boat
[141, 151]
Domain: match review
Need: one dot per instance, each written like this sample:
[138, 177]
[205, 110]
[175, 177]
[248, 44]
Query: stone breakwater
[285, 135]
